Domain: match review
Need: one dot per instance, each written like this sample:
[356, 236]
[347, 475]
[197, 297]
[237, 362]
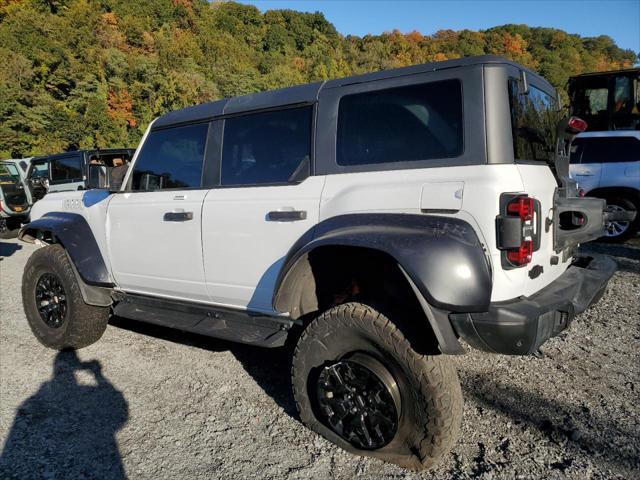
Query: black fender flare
[442, 257]
[73, 232]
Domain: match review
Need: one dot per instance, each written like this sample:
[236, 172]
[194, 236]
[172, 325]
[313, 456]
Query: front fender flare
[73, 232]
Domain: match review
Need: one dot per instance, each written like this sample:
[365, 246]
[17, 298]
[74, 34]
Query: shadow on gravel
[558, 421]
[8, 249]
[269, 367]
[67, 428]
[626, 255]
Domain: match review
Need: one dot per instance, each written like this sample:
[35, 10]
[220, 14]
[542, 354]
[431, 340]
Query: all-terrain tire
[430, 392]
[82, 324]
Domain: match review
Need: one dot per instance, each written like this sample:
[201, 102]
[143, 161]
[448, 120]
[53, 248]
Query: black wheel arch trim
[441, 256]
[73, 232]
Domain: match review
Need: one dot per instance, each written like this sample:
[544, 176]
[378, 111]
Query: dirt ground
[147, 402]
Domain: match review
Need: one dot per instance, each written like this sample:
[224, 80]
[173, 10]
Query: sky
[619, 19]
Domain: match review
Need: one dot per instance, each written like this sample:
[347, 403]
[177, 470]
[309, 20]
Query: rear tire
[615, 234]
[53, 303]
[424, 389]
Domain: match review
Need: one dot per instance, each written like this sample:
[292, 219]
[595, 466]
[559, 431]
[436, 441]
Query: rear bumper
[521, 326]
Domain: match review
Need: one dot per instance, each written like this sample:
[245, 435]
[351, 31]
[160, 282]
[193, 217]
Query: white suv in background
[607, 165]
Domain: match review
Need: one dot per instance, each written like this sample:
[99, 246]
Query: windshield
[9, 174]
[534, 118]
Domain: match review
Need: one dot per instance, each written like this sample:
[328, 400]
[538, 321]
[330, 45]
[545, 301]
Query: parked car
[74, 170]
[15, 199]
[22, 164]
[379, 222]
[607, 165]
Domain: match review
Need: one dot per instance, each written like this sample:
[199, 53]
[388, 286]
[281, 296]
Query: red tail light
[518, 229]
[576, 125]
[522, 207]
[522, 255]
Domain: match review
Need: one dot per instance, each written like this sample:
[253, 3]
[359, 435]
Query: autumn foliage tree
[94, 73]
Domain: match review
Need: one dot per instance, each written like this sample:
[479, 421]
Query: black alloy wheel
[360, 401]
[51, 300]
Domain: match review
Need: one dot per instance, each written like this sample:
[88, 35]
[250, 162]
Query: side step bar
[228, 324]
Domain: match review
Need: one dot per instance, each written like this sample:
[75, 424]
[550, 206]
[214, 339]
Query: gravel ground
[147, 402]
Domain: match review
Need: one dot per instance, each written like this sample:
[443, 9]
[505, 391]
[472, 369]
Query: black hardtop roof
[94, 151]
[308, 93]
[609, 72]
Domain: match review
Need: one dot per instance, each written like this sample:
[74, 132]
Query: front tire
[53, 303]
[358, 382]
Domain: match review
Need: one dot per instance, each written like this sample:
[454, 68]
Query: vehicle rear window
[66, 169]
[605, 150]
[171, 158]
[534, 118]
[267, 148]
[403, 124]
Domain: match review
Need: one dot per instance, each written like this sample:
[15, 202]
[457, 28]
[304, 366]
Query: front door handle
[178, 216]
[286, 215]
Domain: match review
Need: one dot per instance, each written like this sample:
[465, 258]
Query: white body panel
[153, 256]
[243, 251]
[229, 254]
[431, 190]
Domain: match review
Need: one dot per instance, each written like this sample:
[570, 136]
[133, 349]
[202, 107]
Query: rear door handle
[286, 215]
[178, 216]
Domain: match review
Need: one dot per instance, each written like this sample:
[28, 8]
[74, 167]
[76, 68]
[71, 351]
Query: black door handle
[286, 215]
[178, 216]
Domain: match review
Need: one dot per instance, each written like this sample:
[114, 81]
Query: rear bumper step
[521, 326]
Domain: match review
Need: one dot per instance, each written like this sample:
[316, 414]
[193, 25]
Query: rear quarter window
[402, 124]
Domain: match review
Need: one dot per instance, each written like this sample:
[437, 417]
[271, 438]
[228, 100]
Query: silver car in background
[607, 165]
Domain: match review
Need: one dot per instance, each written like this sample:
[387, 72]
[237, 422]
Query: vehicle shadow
[270, 368]
[67, 428]
[557, 420]
[8, 249]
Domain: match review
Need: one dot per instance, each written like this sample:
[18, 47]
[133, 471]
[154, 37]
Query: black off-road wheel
[53, 303]
[358, 382]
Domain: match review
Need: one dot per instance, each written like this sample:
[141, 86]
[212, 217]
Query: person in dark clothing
[118, 173]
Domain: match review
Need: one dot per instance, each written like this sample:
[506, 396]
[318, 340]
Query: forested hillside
[93, 73]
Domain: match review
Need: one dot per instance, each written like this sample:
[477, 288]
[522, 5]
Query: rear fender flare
[442, 258]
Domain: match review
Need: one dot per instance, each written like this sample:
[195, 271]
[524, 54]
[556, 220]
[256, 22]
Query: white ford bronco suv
[382, 222]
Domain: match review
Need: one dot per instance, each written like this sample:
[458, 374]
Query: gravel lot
[147, 402]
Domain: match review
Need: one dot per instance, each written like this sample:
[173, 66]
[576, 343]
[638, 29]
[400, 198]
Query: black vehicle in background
[15, 200]
[607, 100]
[78, 170]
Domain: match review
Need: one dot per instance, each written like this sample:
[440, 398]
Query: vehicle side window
[402, 124]
[267, 148]
[171, 158]
[66, 170]
[575, 152]
[609, 149]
